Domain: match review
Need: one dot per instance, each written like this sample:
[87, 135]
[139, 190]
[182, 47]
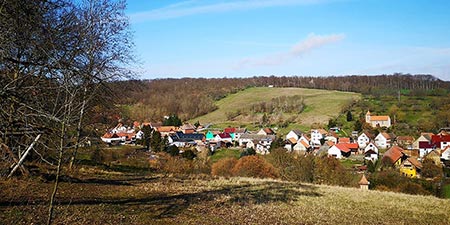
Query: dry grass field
[102, 197]
[320, 104]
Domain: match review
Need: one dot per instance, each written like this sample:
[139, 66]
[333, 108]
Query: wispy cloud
[311, 42]
[188, 8]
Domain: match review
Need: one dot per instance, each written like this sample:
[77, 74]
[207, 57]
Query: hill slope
[320, 106]
[125, 199]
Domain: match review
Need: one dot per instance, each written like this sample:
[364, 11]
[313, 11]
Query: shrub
[173, 150]
[188, 154]
[223, 167]
[247, 152]
[254, 166]
[430, 170]
[328, 170]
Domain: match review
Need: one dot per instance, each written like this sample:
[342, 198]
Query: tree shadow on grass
[167, 206]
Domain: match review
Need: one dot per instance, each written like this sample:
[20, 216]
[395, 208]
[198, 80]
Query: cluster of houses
[188, 135]
[404, 152]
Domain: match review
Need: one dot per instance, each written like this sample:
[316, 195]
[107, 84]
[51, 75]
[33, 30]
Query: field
[104, 197]
[320, 105]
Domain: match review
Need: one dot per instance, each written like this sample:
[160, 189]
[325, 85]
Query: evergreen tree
[147, 136]
[349, 116]
[173, 120]
[155, 141]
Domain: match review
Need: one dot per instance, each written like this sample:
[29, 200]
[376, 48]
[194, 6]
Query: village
[404, 153]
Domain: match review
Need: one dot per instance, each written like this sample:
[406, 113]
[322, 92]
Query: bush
[173, 150]
[188, 154]
[430, 170]
[223, 167]
[328, 170]
[254, 166]
[247, 152]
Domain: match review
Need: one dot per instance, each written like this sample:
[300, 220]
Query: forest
[192, 97]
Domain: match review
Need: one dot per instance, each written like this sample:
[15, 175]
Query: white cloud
[188, 8]
[312, 42]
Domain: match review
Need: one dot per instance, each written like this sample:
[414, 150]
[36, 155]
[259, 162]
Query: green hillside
[320, 105]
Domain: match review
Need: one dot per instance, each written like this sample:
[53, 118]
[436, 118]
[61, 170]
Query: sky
[244, 38]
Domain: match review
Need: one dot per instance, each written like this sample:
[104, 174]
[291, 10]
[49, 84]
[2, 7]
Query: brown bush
[254, 166]
[223, 167]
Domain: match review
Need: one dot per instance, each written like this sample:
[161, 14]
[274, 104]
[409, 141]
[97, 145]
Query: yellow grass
[321, 104]
[157, 199]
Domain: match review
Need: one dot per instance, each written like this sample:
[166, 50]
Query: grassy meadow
[95, 196]
[320, 105]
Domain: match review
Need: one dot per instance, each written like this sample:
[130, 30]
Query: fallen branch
[24, 155]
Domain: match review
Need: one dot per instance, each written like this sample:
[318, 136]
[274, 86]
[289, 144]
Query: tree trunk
[24, 155]
[58, 171]
[80, 120]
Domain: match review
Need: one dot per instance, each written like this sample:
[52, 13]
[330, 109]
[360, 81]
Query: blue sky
[242, 38]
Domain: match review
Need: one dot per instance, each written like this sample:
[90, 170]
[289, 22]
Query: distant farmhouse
[375, 121]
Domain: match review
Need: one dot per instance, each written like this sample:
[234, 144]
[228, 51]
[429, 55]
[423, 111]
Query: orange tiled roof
[343, 147]
[292, 140]
[304, 143]
[379, 118]
[394, 154]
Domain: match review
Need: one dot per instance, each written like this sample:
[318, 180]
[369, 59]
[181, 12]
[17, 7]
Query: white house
[363, 140]
[378, 121]
[446, 153]
[424, 137]
[384, 140]
[296, 134]
[316, 136]
[371, 152]
[338, 151]
[224, 137]
[301, 146]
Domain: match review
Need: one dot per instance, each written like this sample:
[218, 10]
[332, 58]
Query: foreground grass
[321, 104]
[102, 197]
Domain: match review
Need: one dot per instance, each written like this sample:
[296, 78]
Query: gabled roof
[343, 147]
[405, 138]
[268, 131]
[166, 129]
[414, 162]
[292, 140]
[445, 149]
[320, 130]
[224, 135]
[110, 135]
[393, 154]
[297, 132]
[351, 145]
[241, 130]
[388, 136]
[229, 130]
[427, 135]
[187, 126]
[425, 144]
[344, 140]
[379, 118]
[363, 180]
[304, 143]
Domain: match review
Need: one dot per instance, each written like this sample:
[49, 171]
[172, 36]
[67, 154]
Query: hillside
[102, 197]
[320, 105]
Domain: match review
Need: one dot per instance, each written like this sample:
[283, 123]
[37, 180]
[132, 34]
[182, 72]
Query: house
[378, 121]
[261, 143]
[181, 139]
[266, 131]
[384, 140]
[406, 142]
[238, 132]
[352, 146]
[187, 128]
[363, 139]
[166, 130]
[424, 137]
[434, 156]
[445, 155]
[111, 138]
[231, 131]
[223, 137]
[344, 140]
[316, 136]
[332, 136]
[301, 146]
[296, 134]
[209, 135]
[371, 152]
[364, 183]
[440, 141]
[394, 156]
[410, 167]
[290, 143]
[338, 151]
